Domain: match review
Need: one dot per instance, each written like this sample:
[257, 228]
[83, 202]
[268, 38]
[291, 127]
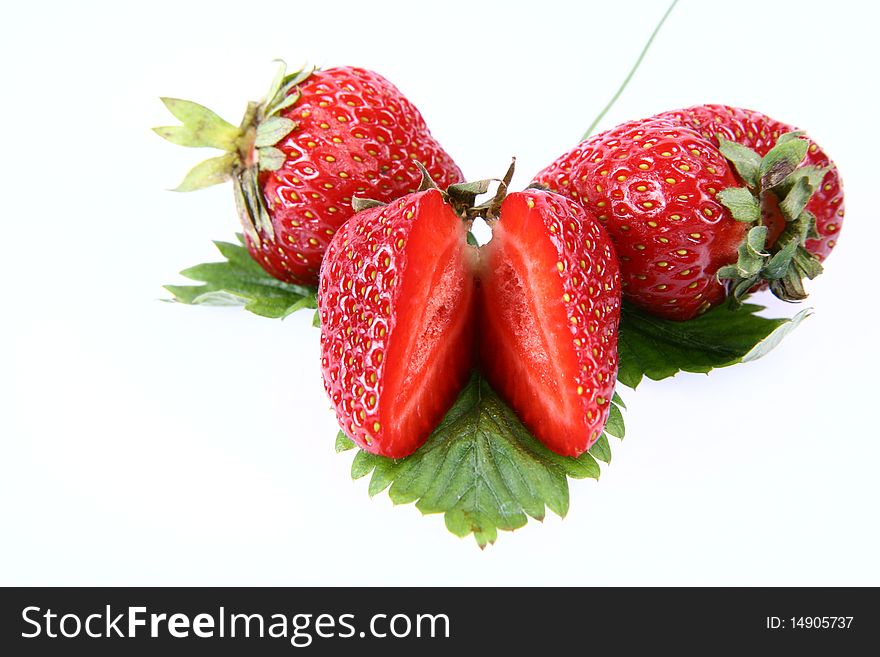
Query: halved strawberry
[548, 315]
[395, 297]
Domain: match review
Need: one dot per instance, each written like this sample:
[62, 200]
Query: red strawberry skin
[396, 301]
[653, 183]
[548, 317]
[355, 133]
[760, 132]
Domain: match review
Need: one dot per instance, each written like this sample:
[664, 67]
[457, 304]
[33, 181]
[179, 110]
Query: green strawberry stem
[775, 186]
[632, 72]
[462, 196]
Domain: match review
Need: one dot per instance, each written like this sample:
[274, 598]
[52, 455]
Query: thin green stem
[631, 73]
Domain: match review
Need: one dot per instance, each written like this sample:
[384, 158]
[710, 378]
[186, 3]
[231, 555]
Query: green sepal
[359, 204]
[260, 130]
[427, 182]
[796, 199]
[481, 468]
[776, 181]
[468, 190]
[789, 286]
[813, 175]
[808, 264]
[282, 93]
[271, 159]
[746, 161]
[239, 280]
[749, 265]
[273, 130]
[742, 204]
[201, 127]
[212, 171]
[782, 160]
[780, 262]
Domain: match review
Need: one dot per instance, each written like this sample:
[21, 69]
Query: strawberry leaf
[240, 281]
[481, 468]
[660, 348]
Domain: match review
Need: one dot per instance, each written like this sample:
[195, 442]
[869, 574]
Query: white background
[150, 443]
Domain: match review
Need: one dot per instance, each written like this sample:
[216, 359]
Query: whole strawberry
[298, 158]
[696, 218]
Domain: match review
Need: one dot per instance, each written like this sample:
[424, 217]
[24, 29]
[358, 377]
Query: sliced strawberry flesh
[430, 349]
[524, 333]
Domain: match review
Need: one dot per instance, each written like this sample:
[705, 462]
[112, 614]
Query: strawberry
[401, 293]
[687, 211]
[550, 306]
[395, 299]
[299, 157]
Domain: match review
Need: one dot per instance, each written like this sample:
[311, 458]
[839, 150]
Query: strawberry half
[396, 297]
[298, 158]
[549, 310]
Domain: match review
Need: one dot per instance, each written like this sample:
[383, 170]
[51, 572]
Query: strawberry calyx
[461, 196]
[249, 147]
[773, 202]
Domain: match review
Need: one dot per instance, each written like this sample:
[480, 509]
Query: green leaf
[481, 468]
[746, 161]
[601, 450]
[742, 204]
[660, 348]
[781, 161]
[343, 443]
[614, 425]
[771, 341]
[212, 171]
[241, 281]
